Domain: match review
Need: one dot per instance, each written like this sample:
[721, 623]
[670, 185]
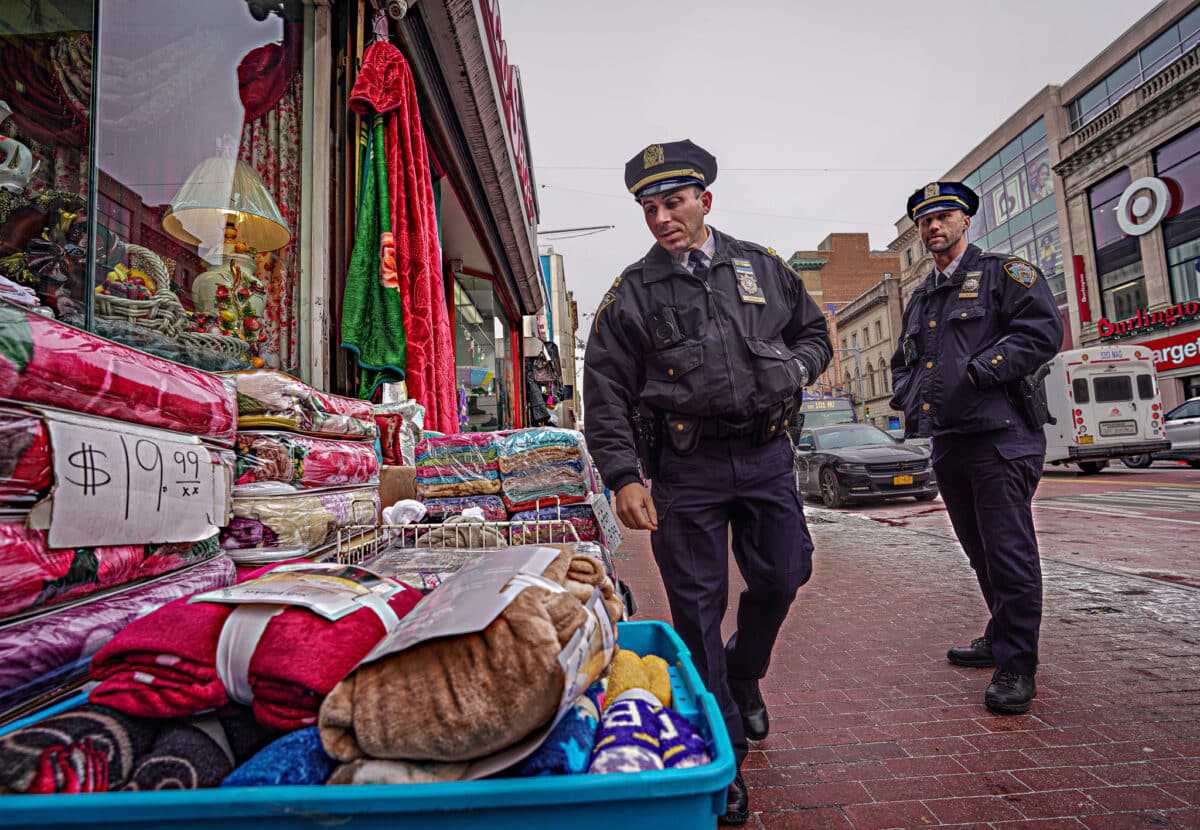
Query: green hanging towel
[372, 320]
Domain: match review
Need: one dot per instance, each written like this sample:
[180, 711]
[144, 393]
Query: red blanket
[164, 664]
[33, 575]
[25, 469]
[46, 362]
[385, 85]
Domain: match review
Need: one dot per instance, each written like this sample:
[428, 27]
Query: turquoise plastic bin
[618, 801]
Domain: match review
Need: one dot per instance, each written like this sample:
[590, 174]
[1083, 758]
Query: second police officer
[975, 333]
[712, 339]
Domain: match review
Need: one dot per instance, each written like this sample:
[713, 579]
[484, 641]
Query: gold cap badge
[653, 155]
[932, 190]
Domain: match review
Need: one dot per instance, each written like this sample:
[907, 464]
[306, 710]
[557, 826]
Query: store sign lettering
[510, 94]
[1146, 320]
[1175, 352]
[1081, 290]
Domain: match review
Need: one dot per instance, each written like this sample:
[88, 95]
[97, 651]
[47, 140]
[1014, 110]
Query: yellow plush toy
[629, 671]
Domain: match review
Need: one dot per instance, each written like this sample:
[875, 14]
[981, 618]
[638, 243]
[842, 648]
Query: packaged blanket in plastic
[439, 510]
[295, 461]
[453, 466]
[33, 575]
[542, 466]
[298, 629]
[272, 399]
[52, 649]
[26, 472]
[298, 522]
[46, 362]
[551, 525]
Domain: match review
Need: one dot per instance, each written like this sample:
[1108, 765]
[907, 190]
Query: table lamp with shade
[222, 206]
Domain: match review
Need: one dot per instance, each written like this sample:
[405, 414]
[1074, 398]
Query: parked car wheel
[927, 496]
[1137, 462]
[1090, 468]
[831, 491]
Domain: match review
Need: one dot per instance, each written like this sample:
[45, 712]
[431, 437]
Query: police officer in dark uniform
[707, 341]
[975, 333]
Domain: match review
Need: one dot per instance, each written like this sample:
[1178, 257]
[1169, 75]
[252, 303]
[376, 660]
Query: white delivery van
[1107, 405]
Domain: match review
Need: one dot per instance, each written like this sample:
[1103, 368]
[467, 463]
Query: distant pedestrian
[709, 339]
[974, 333]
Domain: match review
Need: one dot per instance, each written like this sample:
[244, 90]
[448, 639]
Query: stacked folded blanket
[301, 521]
[33, 575]
[47, 362]
[166, 663]
[638, 733]
[542, 466]
[438, 510]
[577, 516]
[272, 399]
[301, 461]
[453, 466]
[26, 472]
[51, 650]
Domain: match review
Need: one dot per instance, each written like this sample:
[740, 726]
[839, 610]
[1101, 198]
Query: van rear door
[1115, 411]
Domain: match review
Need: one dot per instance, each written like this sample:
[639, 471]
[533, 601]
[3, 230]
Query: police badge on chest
[748, 287]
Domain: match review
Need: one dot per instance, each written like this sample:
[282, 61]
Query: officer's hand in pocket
[635, 508]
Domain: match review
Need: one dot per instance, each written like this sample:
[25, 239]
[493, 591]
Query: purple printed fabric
[52, 649]
[637, 734]
[441, 509]
[303, 521]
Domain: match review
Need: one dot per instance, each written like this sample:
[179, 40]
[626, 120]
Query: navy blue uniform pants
[988, 490]
[724, 484]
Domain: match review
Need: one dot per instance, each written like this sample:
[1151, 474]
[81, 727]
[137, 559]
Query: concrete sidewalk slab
[872, 728]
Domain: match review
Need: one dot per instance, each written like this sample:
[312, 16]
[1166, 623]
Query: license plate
[1108, 428]
[1086, 439]
[898, 480]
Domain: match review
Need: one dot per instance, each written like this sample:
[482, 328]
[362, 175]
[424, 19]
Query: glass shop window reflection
[198, 180]
[483, 355]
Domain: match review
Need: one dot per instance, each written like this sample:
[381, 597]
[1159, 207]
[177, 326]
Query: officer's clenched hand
[635, 508]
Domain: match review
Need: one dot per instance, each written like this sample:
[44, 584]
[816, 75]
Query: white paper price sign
[131, 485]
[609, 528]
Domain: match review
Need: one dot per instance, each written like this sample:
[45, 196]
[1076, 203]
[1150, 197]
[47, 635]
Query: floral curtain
[271, 145]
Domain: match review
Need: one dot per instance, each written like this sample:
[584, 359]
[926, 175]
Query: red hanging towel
[385, 85]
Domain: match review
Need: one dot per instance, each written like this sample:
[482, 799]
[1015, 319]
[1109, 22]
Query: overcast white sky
[823, 117]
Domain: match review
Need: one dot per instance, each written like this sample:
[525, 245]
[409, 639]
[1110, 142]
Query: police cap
[938, 196]
[662, 167]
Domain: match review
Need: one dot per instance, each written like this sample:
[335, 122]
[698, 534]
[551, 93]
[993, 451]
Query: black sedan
[846, 462]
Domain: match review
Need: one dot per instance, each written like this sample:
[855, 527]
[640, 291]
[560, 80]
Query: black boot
[1010, 693]
[755, 720]
[978, 655]
[737, 803]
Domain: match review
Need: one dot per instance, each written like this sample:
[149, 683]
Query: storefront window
[1178, 162]
[485, 360]
[45, 100]
[1118, 256]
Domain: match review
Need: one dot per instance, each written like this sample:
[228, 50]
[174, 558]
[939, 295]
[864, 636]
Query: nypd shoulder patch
[609, 298]
[1021, 272]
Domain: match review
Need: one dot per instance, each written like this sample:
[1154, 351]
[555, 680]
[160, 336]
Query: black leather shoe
[755, 720]
[737, 803]
[978, 655]
[1010, 693]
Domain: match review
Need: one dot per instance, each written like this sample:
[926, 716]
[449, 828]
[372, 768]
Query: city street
[872, 728]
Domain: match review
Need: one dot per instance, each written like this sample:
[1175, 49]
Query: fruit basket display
[140, 293]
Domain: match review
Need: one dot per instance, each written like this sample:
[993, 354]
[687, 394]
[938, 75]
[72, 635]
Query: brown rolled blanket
[468, 696]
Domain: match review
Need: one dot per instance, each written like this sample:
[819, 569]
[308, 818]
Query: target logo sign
[1144, 204]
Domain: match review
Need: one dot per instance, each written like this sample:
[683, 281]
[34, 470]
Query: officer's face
[676, 218]
[943, 231]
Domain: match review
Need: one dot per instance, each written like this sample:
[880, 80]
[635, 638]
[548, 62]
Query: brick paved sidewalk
[872, 728]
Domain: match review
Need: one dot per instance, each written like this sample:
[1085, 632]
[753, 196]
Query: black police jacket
[963, 343]
[730, 345]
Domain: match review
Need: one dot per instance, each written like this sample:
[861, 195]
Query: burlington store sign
[1174, 352]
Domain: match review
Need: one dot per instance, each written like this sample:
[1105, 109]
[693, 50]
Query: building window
[887, 379]
[1118, 256]
[866, 336]
[196, 127]
[870, 381]
[878, 331]
[908, 257]
[1179, 162]
[854, 340]
[843, 344]
[1174, 41]
[483, 355]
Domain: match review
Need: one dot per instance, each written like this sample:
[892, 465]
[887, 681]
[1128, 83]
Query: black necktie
[699, 265]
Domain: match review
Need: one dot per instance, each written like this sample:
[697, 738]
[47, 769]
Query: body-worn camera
[664, 328]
